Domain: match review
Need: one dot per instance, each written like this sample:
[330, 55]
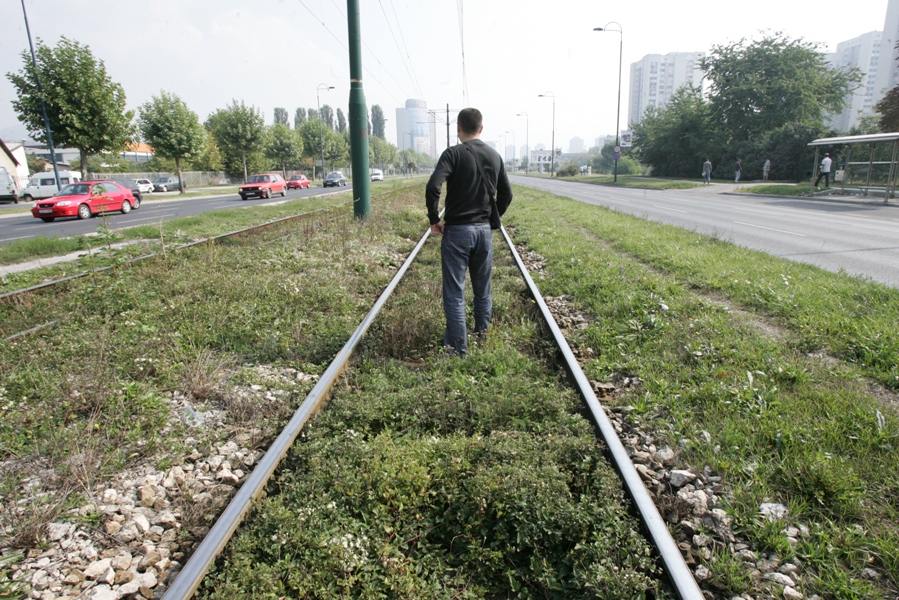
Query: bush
[569, 170]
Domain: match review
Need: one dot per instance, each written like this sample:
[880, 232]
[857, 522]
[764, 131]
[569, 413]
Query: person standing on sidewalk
[707, 172]
[738, 170]
[825, 171]
[766, 168]
[473, 173]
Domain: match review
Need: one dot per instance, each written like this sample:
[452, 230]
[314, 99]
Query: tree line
[764, 99]
[86, 111]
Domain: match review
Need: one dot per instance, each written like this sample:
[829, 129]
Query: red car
[263, 186]
[84, 200]
[297, 182]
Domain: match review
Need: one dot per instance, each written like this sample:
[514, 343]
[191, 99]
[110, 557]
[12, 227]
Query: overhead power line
[462, 38]
[403, 37]
[398, 49]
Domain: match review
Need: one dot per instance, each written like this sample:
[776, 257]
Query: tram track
[681, 580]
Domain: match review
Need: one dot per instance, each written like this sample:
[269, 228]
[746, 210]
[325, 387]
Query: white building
[862, 53]
[524, 151]
[416, 128]
[604, 140]
[656, 77]
[888, 67]
[576, 145]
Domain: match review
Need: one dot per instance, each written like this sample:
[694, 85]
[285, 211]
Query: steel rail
[188, 580]
[677, 569]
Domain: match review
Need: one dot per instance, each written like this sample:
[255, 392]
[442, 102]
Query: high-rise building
[524, 151]
[888, 66]
[862, 53]
[416, 128]
[656, 77]
[603, 140]
[576, 145]
[510, 153]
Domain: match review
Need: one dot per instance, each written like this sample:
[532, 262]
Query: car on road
[263, 186]
[166, 184]
[132, 185]
[377, 175]
[84, 200]
[8, 187]
[297, 182]
[145, 186]
[334, 179]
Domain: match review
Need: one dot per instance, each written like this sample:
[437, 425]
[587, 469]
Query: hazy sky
[276, 52]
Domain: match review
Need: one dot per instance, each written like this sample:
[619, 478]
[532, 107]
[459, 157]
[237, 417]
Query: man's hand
[437, 229]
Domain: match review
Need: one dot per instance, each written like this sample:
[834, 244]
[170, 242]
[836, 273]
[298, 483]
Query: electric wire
[344, 46]
[405, 47]
[398, 49]
[462, 39]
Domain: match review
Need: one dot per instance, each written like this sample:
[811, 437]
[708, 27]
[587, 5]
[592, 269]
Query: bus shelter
[862, 164]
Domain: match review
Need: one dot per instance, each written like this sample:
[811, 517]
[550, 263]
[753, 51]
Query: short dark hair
[470, 120]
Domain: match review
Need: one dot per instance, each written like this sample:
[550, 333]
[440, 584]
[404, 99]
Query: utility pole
[37, 77]
[358, 116]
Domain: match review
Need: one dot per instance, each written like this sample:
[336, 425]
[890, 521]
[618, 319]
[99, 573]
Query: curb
[829, 198]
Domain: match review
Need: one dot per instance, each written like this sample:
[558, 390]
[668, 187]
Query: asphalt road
[859, 237]
[151, 211]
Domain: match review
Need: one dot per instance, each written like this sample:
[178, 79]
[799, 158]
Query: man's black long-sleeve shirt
[467, 200]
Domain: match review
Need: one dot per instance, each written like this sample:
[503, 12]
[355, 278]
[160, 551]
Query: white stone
[57, 531]
[110, 496]
[679, 477]
[97, 568]
[141, 580]
[780, 578]
[102, 592]
[166, 517]
[215, 462]
[792, 593]
[122, 561]
[702, 573]
[108, 576]
[665, 454]
[142, 523]
[774, 511]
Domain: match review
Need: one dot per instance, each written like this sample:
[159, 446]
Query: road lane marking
[145, 219]
[21, 237]
[674, 209]
[771, 229]
[871, 227]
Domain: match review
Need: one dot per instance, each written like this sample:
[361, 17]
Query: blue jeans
[466, 247]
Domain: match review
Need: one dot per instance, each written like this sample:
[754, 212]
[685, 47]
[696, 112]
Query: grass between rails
[736, 351]
[83, 400]
[433, 477]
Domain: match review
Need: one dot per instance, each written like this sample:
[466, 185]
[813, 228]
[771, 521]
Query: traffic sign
[617, 149]
[616, 155]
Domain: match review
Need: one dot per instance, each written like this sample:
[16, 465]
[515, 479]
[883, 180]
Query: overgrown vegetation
[780, 376]
[443, 478]
[775, 189]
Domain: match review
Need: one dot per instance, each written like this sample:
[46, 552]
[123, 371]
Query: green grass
[635, 181]
[444, 478]
[779, 189]
[780, 364]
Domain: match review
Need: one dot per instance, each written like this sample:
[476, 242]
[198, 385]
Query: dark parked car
[334, 179]
[132, 185]
[166, 184]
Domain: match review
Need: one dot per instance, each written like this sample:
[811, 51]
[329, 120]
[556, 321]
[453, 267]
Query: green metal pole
[358, 116]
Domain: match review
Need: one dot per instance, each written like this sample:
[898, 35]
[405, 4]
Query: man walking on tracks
[477, 194]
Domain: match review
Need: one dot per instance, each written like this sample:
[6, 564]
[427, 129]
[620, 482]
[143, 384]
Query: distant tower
[416, 128]
[862, 53]
[656, 77]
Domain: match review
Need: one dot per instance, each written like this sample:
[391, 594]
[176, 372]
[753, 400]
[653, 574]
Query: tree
[285, 146]
[35, 164]
[676, 139]
[326, 114]
[86, 109]
[281, 116]
[760, 86]
[341, 121]
[377, 121]
[299, 118]
[239, 131]
[210, 159]
[173, 130]
[888, 108]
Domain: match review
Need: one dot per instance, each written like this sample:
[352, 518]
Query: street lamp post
[552, 154]
[512, 131]
[620, 59]
[321, 139]
[527, 141]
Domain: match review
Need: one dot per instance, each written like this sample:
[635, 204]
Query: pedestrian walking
[825, 171]
[766, 168]
[707, 172]
[738, 170]
[477, 194]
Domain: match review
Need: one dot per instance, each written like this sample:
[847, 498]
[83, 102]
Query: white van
[43, 185]
[377, 175]
[8, 191]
